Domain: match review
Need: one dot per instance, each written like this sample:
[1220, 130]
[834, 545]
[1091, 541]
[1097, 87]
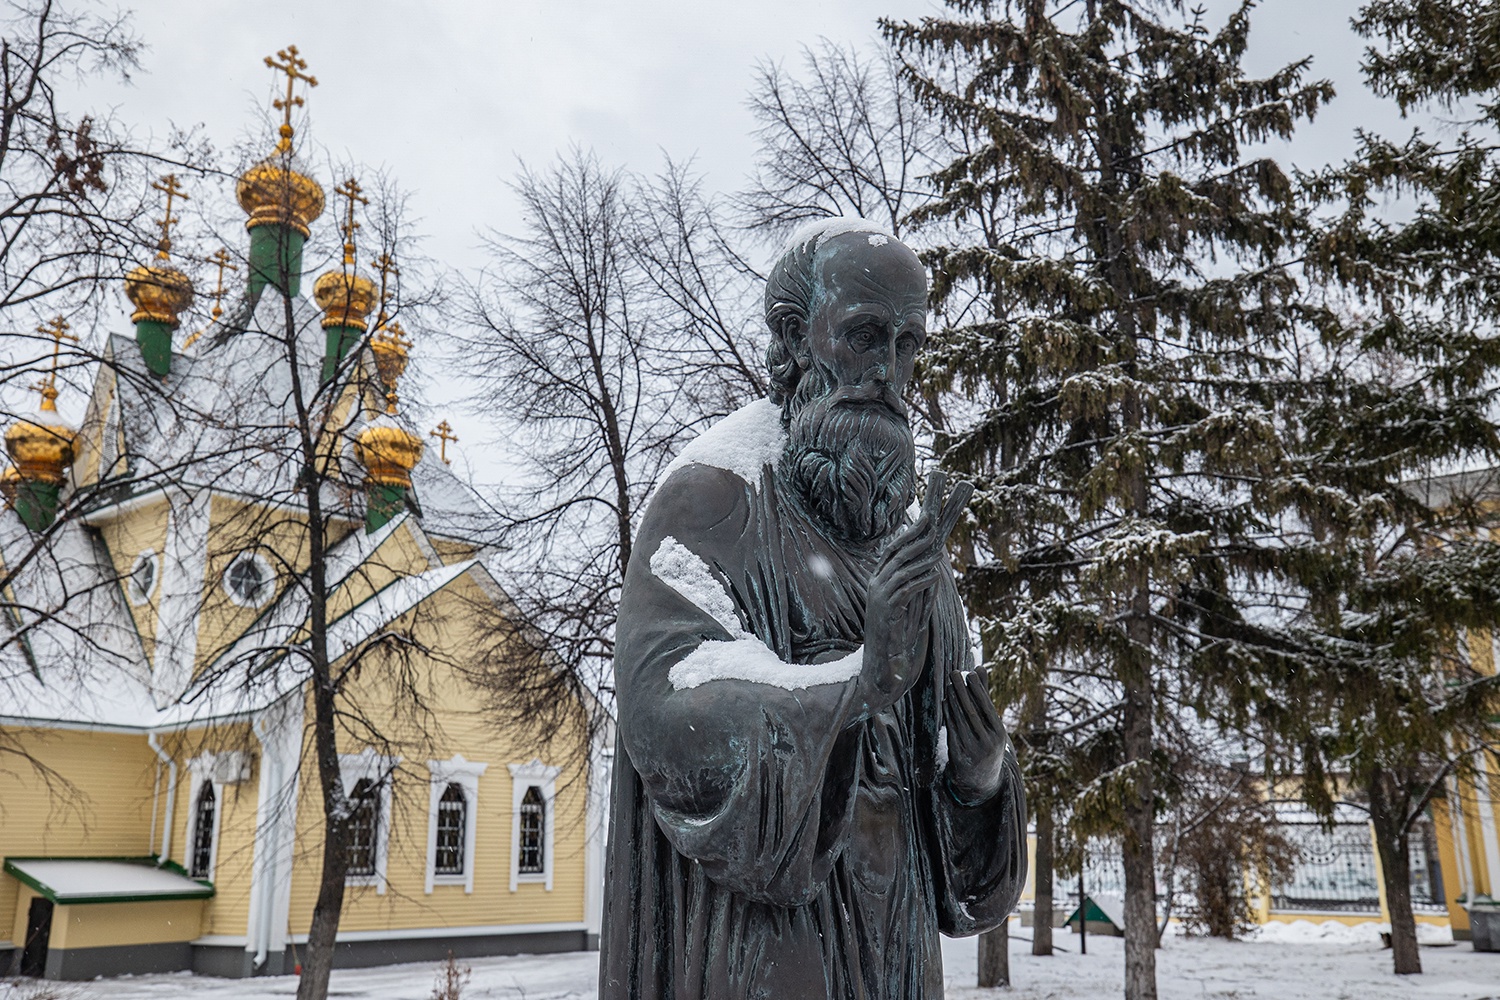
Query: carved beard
[850, 455]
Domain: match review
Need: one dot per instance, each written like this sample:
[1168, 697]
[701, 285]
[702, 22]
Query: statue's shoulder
[696, 497]
[709, 485]
[741, 444]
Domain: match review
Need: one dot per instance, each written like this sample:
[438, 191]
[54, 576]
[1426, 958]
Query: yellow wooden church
[159, 802]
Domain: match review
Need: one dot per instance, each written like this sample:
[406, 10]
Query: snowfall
[1297, 961]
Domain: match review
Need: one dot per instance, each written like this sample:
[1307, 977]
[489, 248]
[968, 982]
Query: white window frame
[380, 770]
[522, 777]
[137, 596]
[265, 568]
[465, 774]
[200, 772]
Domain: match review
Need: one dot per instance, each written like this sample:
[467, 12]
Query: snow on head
[744, 657]
[820, 231]
[743, 443]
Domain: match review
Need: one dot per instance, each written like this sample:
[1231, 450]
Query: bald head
[849, 296]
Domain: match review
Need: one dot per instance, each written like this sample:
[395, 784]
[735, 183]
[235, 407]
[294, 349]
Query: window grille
[363, 827]
[452, 826]
[533, 832]
[203, 832]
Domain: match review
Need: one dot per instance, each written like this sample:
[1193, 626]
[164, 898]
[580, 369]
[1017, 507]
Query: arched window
[364, 827]
[533, 832]
[452, 825]
[203, 832]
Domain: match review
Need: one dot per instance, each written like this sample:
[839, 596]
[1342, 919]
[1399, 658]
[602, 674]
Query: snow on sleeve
[749, 659]
[742, 443]
[680, 568]
[744, 657]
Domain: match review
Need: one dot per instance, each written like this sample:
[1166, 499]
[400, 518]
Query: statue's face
[850, 454]
[870, 316]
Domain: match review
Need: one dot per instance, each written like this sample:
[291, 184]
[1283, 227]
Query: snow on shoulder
[742, 443]
[744, 657]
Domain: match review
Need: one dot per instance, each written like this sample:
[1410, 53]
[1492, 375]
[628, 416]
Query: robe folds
[767, 841]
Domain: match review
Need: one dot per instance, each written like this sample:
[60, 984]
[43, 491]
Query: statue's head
[846, 304]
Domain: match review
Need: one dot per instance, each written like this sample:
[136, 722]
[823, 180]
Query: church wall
[102, 925]
[228, 911]
[447, 621]
[106, 813]
[127, 536]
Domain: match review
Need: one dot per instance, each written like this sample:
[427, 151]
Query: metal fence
[1337, 870]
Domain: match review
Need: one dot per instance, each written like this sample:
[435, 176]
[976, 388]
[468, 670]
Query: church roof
[74, 657]
[219, 418]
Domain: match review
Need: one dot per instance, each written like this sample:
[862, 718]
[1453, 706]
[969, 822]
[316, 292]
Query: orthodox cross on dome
[350, 189]
[168, 186]
[57, 329]
[292, 66]
[445, 436]
[386, 265]
[222, 259]
[390, 346]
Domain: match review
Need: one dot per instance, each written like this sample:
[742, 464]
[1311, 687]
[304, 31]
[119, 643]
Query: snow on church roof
[104, 880]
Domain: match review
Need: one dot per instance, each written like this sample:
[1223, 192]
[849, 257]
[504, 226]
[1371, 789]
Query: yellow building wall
[228, 912]
[97, 803]
[1442, 822]
[448, 621]
[139, 529]
[97, 925]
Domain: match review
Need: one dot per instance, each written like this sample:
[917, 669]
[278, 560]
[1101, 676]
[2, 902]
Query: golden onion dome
[10, 484]
[390, 347]
[41, 446]
[346, 298]
[388, 452]
[158, 293]
[272, 193]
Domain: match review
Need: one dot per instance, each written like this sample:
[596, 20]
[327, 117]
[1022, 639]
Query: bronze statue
[811, 779]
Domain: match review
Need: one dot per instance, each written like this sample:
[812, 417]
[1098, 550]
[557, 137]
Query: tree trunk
[323, 931]
[1140, 866]
[994, 956]
[317, 959]
[1393, 841]
[1041, 923]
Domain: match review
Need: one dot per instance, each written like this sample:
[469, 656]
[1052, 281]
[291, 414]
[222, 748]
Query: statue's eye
[862, 338]
[906, 344]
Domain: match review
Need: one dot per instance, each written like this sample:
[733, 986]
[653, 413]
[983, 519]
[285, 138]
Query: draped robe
[768, 842]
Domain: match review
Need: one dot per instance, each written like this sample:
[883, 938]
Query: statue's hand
[976, 738]
[898, 605]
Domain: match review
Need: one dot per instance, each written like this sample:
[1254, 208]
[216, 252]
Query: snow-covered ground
[1293, 962]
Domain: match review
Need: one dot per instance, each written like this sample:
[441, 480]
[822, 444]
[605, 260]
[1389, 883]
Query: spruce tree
[1393, 667]
[1125, 357]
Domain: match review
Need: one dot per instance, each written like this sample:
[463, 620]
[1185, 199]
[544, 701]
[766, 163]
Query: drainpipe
[154, 742]
[268, 890]
[272, 771]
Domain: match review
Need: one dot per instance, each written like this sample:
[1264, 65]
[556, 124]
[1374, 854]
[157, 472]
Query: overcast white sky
[447, 96]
